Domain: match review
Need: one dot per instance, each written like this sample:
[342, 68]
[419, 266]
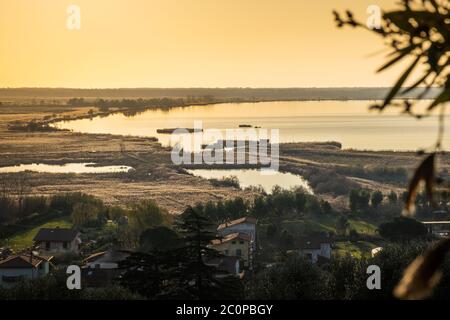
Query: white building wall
[245, 228]
[27, 273]
[58, 247]
[237, 267]
[325, 250]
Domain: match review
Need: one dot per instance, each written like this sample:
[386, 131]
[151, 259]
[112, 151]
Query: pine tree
[182, 272]
[196, 279]
[144, 274]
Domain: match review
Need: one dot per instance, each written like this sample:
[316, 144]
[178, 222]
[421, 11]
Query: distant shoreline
[244, 94]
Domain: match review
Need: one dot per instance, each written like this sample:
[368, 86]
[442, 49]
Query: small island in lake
[174, 130]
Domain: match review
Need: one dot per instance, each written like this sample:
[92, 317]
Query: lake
[253, 177]
[348, 122]
[65, 168]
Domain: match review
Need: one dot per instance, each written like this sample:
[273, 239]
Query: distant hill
[218, 93]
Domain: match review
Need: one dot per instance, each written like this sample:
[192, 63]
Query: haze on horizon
[187, 43]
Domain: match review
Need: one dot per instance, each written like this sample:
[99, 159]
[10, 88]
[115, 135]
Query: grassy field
[25, 239]
[356, 249]
[327, 223]
[363, 226]
[301, 226]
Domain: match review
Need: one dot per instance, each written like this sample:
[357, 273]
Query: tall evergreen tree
[196, 279]
[144, 273]
[182, 271]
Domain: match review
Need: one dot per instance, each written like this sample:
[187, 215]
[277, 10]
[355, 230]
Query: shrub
[402, 228]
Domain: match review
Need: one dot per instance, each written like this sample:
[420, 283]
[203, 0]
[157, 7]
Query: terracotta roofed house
[58, 240]
[23, 266]
[235, 245]
[245, 225]
[245, 229]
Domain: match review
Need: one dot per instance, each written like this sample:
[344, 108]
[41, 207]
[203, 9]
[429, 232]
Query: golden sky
[187, 43]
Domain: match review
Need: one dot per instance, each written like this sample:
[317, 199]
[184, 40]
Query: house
[235, 245]
[23, 266]
[106, 259]
[316, 248]
[438, 228]
[245, 225]
[101, 268]
[58, 240]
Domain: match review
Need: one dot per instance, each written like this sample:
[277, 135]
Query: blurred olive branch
[418, 30]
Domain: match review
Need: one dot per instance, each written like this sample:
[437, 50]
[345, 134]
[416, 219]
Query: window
[241, 242]
[47, 245]
[233, 242]
[238, 252]
[226, 252]
[65, 245]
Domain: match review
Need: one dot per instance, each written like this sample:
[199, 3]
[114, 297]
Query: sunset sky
[187, 43]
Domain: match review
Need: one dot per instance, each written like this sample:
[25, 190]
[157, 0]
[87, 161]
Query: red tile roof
[231, 237]
[23, 261]
[107, 256]
[94, 256]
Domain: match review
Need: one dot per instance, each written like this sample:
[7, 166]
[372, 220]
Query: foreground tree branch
[418, 31]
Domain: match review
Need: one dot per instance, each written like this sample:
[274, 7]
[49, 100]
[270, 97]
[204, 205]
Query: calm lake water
[253, 177]
[66, 168]
[348, 122]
